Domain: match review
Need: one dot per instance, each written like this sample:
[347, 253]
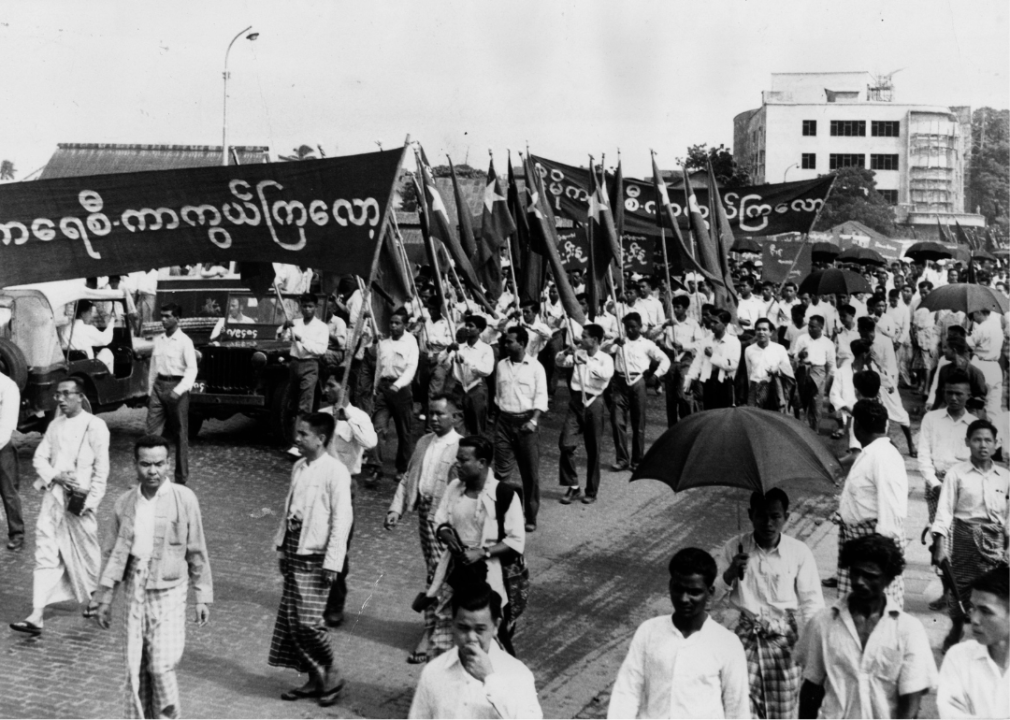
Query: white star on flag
[663, 197]
[534, 205]
[490, 196]
[594, 206]
[692, 203]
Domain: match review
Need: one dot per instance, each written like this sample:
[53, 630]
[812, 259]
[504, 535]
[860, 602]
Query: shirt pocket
[886, 665]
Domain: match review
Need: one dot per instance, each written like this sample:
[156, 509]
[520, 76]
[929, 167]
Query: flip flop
[838, 434]
[299, 693]
[90, 611]
[418, 658]
[330, 696]
[26, 627]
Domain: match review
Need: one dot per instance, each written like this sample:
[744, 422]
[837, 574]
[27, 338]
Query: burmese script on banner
[758, 210]
[322, 214]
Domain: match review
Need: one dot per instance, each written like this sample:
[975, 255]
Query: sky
[568, 78]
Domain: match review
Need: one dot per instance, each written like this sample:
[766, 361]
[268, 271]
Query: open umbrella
[834, 281]
[928, 251]
[824, 251]
[964, 297]
[737, 447]
[861, 255]
[746, 245]
[983, 255]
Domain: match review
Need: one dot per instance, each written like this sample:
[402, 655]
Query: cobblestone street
[597, 572]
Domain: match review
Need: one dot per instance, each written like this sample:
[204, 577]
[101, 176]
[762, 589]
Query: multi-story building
[810, 124]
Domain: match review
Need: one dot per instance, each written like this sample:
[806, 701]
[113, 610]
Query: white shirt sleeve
[10, 405]
[423, 705]
[513, 695]
[889, 522]
[736, 684]
[188, 377]
[411, 357]
[626, 696]
[340, 524]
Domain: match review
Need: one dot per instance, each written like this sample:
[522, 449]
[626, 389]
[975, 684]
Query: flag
[528, 265]
[991, 245]
[440, 229]
[963, 238]
[708, 255]
[392, 280]
[603, 249]
[617, 204]
[543, 228]
[495, 228]
[679, 256]
[943, 234]
[608, 238]
[719, 224]
[463, 215]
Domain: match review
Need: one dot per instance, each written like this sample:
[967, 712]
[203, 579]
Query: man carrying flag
[496, 226]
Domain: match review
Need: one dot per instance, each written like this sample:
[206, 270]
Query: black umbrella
[824, 251]
[834, 281]
[929, 251]
[737, 447]
[983, 255]
[746, 245]
[861, 255]
[965, 297]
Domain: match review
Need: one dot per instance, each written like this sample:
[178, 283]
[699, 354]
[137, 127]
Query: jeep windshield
[251, 319]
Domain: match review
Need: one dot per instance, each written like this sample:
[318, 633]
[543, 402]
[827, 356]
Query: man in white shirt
[476, 678]
[10, 407]
[864, 657]
[986, 342]
[310, 338]
[874, 497]
[687, 665]
[173, 372]
[772, 580]
[749, 308]
[649, 309]
[636, 358]
[768, 370]
[973, 677]
[815, 355]
[926, 340]
[84, 337]
[780, 311]
[396, 364]
[311, 545]
[971, 526]
[472, 363]
[236, 316]
[591, 375]
[73, 458]
[679, 337]
[846, 333]
[432, 467]
[521, 396]
[821, 305]
[898, 314]
[715, 364]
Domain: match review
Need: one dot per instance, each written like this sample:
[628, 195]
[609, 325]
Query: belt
[172, 378]
[305, 359]
[388, 380]
[516, 417]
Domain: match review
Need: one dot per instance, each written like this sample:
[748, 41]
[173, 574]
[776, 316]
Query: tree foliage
[854, 196]
[989, 167]
[7, 170]
[727, 173]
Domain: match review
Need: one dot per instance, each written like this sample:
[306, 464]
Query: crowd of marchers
[479, 381]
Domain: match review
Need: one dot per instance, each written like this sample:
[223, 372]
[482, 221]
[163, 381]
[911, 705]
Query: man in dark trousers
[173, 372]
[10, 404]
[310, 338]
[521, 396]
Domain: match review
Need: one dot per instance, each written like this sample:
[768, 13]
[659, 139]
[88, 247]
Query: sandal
[838, 434]
[90, 611]
[329, 697]
[26, 627]
[418, 658]
[298, 693]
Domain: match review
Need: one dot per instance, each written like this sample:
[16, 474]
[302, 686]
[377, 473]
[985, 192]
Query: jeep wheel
[195, 423]
[282, 420]
[13, 363]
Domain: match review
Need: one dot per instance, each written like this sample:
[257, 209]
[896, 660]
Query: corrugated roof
[77, 159]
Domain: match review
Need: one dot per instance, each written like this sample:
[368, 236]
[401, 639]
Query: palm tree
[7, 170]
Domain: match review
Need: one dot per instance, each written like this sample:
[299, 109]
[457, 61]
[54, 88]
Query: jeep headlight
[258, 360]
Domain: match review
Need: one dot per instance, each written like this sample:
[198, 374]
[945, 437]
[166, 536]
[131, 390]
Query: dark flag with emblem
[602, 246]
[708, 255]
[463, 216]
[543, 228]
[440, 229]
[495, 228]
[723, 234]
[528, 263]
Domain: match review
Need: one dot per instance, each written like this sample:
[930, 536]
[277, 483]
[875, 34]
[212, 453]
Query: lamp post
[786, 173]
[224, 105]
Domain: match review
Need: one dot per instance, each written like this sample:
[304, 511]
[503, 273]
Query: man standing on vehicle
[10, 404]
[173, 372]
[310, 338]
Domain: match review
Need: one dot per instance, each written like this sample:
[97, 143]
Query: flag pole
[666, 258]
[512, 261]
[806, 237]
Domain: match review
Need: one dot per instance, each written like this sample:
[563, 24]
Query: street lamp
[224, 120]
[786, 173]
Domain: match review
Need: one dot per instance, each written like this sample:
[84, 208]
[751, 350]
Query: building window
[885, 128]
[883, 162]
[810, 127]
[891, 196]
[848, 128]
[808, 161]
[844, 160]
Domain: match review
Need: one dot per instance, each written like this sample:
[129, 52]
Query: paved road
[597, 571]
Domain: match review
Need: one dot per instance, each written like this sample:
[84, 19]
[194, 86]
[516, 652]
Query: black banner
[758, 210]
[323, 214]
[573, 246]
